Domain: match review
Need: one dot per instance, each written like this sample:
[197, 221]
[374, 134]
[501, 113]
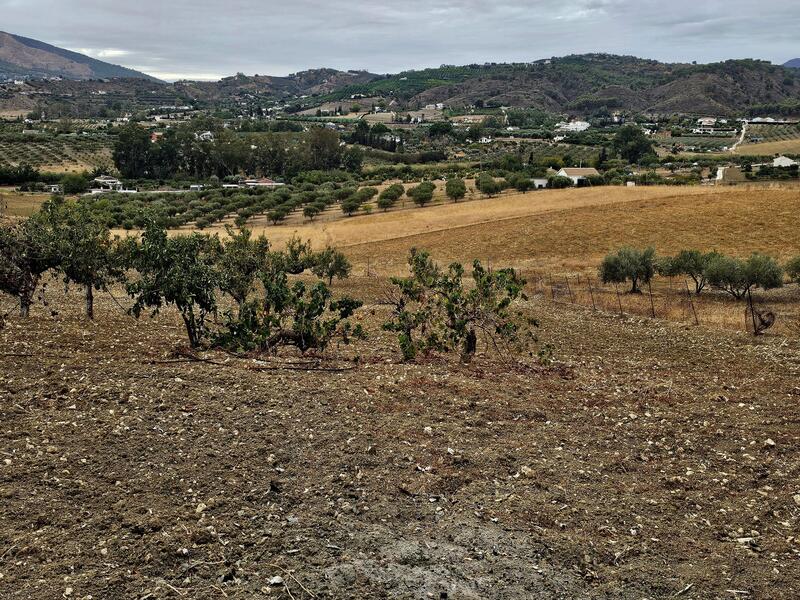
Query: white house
[262, 183]
[784, 161]
[105, 183]
[578, 174]
[204, 136]
[539, 183]
[573, 126]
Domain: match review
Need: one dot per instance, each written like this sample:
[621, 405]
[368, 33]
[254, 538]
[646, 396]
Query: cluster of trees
[631, 144]
[270, 306]
[311, 192]
[421, 194]
[734, 276]
[772, 173]
[187, 272]
[10, 175]
[185, 151]
[378, 136]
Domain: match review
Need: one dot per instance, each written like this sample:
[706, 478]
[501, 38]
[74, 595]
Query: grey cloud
[206, 37]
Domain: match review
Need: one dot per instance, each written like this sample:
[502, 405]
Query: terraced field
[56, 153]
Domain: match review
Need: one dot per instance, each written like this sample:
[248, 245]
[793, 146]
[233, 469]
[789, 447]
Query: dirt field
[652, 459]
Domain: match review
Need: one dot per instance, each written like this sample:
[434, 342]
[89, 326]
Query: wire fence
[672, 299]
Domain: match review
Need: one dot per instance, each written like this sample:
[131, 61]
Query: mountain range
[576, 84]
[794, 63]
[25, 58]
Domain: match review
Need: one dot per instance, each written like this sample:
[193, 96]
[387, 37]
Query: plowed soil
[650, 460]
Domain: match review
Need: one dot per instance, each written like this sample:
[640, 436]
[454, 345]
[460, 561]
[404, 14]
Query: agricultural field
[772, 139]
[16, 204]
[652, 458]
[701, 143]
[61, 153]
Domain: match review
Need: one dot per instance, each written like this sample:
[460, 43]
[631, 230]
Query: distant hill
[793, 64]
[581, 85]
[25, 58]
[304, 83]
[587, 82]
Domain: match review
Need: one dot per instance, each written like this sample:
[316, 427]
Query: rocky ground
[651, 460]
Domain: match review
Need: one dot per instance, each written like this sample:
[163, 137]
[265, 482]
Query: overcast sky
[208, 39]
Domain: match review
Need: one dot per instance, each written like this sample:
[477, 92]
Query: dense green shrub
[435, 312]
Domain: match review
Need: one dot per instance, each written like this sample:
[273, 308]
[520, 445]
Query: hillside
[26, 58]
[582, 83]
[304, 83]
[794, 63]
[577, 84]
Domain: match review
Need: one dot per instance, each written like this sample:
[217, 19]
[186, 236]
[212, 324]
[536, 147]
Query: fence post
[652, 305]
[569, 289]
[591, 294]
[689, 296]
[752, 311]
[619, 300]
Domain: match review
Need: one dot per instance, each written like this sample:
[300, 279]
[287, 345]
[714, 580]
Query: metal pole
[652, 305]
[619, 300]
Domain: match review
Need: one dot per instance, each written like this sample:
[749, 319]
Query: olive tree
[691, 263]
[737, 277]
[455, 189]
[87, 253]
[487, 185]
[390, 195]
[793, 269]
[422, 194]
[629, 264]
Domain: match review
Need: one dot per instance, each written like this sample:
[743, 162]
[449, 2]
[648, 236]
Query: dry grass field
[16, 204]
[457, 221]
[770, 148]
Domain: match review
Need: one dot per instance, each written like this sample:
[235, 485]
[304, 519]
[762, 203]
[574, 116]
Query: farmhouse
[105, 183]
[539, 183]
[573, 126]
[784, 161]
[578, 175]
[261, 183]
